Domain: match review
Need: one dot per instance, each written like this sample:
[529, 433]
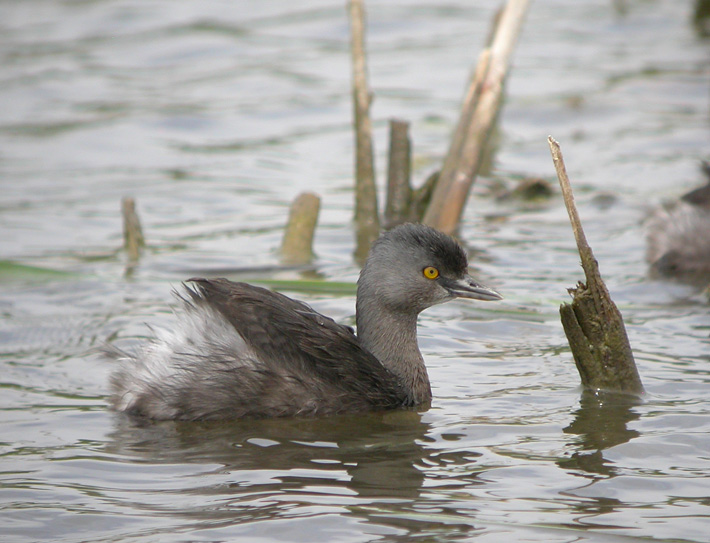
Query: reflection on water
[369, 467]
[601, 422]
[380, 453]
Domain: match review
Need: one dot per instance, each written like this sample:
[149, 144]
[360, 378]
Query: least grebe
[245, 351]
[678, 235]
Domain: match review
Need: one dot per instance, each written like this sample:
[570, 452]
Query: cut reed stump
[133, 240]
[297, 243]
[399, 189]
[593, 324]
[367, 222]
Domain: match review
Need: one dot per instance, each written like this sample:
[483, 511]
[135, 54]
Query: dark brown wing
[289, 337]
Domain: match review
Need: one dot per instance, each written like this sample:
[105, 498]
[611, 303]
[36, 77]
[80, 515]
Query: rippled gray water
[214, 115]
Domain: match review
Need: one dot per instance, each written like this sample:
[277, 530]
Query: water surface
[214, 116]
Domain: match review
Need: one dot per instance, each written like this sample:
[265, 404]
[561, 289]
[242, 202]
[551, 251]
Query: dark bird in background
[678, 236]
[244, 351]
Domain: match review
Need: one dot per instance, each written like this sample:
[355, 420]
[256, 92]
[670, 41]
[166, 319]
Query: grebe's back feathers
[241, 351]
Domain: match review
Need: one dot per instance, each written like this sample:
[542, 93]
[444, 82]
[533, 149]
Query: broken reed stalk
[483, 99]
[593, 324]
[297, 243]
[470, 101]
[133, 240]
[367, 222]
[399, 189]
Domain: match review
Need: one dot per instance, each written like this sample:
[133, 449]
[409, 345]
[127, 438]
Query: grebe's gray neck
[391, 335]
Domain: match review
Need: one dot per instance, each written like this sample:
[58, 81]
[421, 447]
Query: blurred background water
[214, 115]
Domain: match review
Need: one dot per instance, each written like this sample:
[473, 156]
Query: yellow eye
[430, 272]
